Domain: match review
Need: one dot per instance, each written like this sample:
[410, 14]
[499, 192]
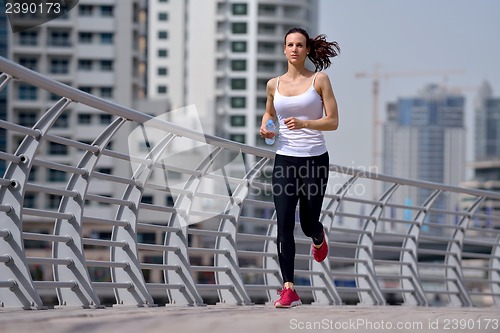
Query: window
[106, 92]
[106, 171]
[86, 89]
[266, 29]
[239, 65]
[266, 47]
[261, 84]
[265, 66]
[54, 97]
[53, 201]
[261, 103]
[106, 65]
[29, 200]
[239, 28]
[162, 53]
[238, 121]
[85, 37]
[85, 10]
[31, 63]
[84, 118]
[162, 89]
[106, 38]
[105, 119]
[146, 237]
[57, 149]
[107, 11]
[147, 199]
[239, 46]
[162, 71]
[237, 137]
[28, 38]
[56, 176]
[59, 38]
[28, 118]
[238, 84]
[32, 175]
[267, 10]
[27, 92]
[162, 16]
[85, 65]
[162, 34]
[239, 8]
[62, 121]
[238, 102]
[59, 66]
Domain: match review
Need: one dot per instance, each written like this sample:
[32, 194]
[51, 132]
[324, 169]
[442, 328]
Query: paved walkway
[254, 319]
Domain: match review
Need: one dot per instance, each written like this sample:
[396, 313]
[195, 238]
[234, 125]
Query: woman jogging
[305, 105]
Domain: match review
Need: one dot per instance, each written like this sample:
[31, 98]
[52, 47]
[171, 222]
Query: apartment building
[486, 163]
[424, 138]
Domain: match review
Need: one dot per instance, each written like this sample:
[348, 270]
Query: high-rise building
[91, 48]
[487, 114]
[487, 147]
[424, 138]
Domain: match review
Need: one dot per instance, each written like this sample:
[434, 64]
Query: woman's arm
[330, 121]
[270, 111]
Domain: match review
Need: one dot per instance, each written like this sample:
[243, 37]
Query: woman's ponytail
[320, 52]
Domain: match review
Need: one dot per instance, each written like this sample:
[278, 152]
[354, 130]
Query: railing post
[453, 261]
[23, 294]
[494, 275]
[137, 295]
[329, 295]
[188, 295]
[84, 294]
[238, 294]
[365, 253]
[270, 263]
[409, 256]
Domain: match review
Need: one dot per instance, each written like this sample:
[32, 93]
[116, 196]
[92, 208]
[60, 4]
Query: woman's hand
[265, 133]
[294, 123]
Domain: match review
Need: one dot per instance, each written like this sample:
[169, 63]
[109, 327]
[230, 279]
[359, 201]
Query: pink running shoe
[288, 299]
[320, 253]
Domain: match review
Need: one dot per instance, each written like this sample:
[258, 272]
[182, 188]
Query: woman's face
[295, 47]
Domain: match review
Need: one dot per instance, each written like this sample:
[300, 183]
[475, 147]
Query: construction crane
[376, 76]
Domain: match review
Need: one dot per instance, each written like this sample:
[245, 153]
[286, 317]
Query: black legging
[302, 180]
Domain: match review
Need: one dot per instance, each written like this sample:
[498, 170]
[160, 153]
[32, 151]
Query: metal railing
[68, 238]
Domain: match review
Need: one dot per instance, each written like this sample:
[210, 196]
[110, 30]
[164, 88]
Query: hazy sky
[403, 36]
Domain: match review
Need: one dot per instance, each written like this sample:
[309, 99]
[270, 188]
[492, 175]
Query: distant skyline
[405, 36]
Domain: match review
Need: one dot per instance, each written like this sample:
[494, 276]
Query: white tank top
[306, 106]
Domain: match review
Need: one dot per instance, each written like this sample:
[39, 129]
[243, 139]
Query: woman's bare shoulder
[322, 76]
[271, 84]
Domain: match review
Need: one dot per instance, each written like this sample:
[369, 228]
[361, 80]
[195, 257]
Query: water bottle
[271, 128]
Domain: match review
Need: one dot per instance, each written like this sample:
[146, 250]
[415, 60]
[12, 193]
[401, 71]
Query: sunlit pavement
[255, 319]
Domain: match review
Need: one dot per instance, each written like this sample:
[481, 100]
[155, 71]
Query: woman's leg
[312, 189]
[285, 201]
